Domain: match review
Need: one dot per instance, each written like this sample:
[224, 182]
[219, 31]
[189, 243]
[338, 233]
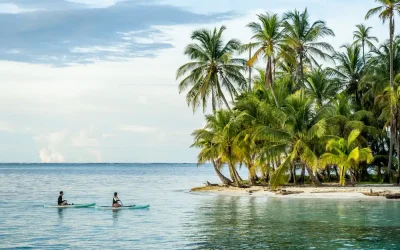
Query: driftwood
[208, 184]
[285, 192]
[393, 196]
[376, 194]
[384, 193]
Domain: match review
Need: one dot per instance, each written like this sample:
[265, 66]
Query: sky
[94, 80]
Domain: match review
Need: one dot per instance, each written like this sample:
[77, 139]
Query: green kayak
[73, 206]
[123, 207]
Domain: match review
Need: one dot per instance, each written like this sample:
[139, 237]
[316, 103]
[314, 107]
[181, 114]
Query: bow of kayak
[73, 206]
[123, 207]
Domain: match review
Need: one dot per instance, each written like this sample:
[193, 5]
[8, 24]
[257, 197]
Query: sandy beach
[325, 192]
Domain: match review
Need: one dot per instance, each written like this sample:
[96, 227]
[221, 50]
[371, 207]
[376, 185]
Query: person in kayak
[116, 201]
[61, 202]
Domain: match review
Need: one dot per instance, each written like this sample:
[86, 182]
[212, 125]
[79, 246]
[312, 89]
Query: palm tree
[346, 154]
[304, 38]
[268, 37]
[386, 11]
[350, 69]
[385, 102]
[377, 84]
[376, 79]
[362, 37]
[209, 152]
[301, 127]
[320, 87]
[211, 70]
[221, 131]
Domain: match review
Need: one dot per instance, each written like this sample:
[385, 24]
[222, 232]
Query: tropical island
[287, 118]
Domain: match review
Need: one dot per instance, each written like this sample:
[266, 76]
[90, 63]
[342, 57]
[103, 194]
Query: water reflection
[254, 223]
[60, 212]
[115, 215]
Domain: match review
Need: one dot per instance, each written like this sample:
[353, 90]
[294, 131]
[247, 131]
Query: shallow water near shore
[176, 219]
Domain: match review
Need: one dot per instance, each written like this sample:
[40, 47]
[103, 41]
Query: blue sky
[94, 80]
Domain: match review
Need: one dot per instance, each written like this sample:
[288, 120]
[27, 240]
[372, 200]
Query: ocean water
[177, 219]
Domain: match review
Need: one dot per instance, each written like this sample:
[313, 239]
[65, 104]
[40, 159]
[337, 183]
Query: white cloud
[97, 49]
[50, 147]
[138, 129]
[50, 156]
[79, 147]
[97, 3]
[11, 8]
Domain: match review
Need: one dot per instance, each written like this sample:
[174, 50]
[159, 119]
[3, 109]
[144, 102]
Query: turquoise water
[176, 219]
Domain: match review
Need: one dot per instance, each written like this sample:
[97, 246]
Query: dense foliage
[295, 121]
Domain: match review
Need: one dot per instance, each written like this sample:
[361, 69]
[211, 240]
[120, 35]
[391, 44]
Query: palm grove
[292, 120]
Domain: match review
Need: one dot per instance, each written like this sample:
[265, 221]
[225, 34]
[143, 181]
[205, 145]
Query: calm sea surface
[176, 219]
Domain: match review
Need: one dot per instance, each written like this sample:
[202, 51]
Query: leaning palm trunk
[302, 175]
[252, 175]
[237, 175]
[234, 175]
[313, 177]
[224, 179]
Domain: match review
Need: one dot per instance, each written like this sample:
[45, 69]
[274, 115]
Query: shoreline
[367, 192]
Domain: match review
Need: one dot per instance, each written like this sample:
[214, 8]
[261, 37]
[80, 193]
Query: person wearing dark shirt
[116, 201]
[61, 202]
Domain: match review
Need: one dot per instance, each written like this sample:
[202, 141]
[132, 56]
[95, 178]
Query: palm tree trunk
[232, 173]
[398, 158]
[313, 178]
[342, 178]
[391, 27]
[397, 123]
[225, 101]
[363, 48]
[379, 174]
[274, 67]
[237, 174]
[328, 172]
[291, 178]
[268, 80]
[224, 180]
[252, 174]
[337, 173]
[301, 70]
[303, 173]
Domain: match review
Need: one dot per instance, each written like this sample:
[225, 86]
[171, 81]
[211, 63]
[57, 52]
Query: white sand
[326, 192]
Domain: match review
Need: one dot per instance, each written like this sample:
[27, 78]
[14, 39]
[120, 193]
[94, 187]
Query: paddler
[61, 202]
[116, 201]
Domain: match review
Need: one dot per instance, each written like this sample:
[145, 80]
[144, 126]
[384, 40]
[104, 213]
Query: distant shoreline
[368, 192]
